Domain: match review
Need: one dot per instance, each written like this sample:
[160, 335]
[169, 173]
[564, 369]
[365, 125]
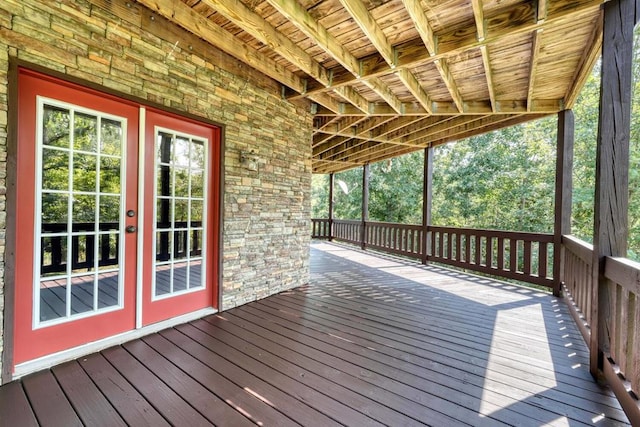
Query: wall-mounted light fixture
[249, 160]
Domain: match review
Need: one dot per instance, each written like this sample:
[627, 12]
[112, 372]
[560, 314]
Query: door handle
[131, 229]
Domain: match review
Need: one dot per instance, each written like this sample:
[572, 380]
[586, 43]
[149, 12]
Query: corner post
[365, 206]
[564, 191]
[612, 168]
[331, 182]
[427, 197]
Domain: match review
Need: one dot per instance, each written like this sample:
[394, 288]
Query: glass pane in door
[179, 204]
[80, 212]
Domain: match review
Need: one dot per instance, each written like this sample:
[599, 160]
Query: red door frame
[52, 339]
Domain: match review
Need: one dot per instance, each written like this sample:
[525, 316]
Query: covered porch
[373, 340]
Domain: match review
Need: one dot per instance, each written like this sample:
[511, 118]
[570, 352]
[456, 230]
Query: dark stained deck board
[209, 405]
[91, 405]
[384, 389]
[357, 394]
[371, 341]
[156, 392]
[15, 409]
[260, 412]
[320, 408]
[48, 401]
[129, 403]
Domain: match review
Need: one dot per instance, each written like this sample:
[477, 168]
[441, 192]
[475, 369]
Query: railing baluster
[500, 254]
[527, 258]
[513, 255]
[542, 259]
[489, 249]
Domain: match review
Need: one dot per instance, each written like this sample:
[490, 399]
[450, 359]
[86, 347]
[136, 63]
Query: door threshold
[51, 360]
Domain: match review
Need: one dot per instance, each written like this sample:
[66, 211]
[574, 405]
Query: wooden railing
[621, 358]
[623, 309]
[514, 255]
[399, 239]
[578, 281]
[320, 229]
[347, 230]
[509, 254]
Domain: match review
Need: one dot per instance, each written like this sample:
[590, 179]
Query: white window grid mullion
[72, 120]
[172, 186]
[96, 243]
[188, 241]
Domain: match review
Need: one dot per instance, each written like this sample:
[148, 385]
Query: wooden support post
[612, 167]
[331, 182]
[564, 189]
[427, 197]
[365, 205]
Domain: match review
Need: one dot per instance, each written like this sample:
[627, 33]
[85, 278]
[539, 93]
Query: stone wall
[122, 46]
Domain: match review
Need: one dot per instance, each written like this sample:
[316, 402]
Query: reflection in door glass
[179, 204]
[80, 212]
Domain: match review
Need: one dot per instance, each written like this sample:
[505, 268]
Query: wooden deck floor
[371, 341]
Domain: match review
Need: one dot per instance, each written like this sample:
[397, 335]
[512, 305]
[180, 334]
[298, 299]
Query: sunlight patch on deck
[507, 348]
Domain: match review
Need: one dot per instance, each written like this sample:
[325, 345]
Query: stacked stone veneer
[122, 46]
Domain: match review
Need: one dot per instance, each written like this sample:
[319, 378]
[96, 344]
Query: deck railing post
[427, 197]
[612, 168]
[564, 189]
[331, 182]
[365, 206]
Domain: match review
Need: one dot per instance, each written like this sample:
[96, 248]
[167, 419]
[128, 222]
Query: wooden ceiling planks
[392, 76]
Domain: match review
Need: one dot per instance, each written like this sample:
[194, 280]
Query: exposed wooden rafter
[486, 63]
[372, 30]
[533, 64]
[420, 20]
[302, 19]
[252, 23]
[383, 90]
[416, 90]
[589, 58]
[478, 15]
[192, 21]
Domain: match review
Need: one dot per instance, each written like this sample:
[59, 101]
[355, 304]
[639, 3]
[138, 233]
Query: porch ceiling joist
[399, 69]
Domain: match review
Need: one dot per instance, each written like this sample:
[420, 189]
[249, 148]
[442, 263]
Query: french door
[115, 218]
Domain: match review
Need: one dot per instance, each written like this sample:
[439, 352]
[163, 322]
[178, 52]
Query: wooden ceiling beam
[447, 78]
[486, 63]
[421, 22]
[541, 11]
[414, 8]
[354, 98]
[373, 123]
[533, 65]
[400, 123]
[327, 102]
[478, 15]
[185, 17]
[379, 87]
[416, 89]
[371, 29]
[296, 14]
[589, 58]
[261, 30]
